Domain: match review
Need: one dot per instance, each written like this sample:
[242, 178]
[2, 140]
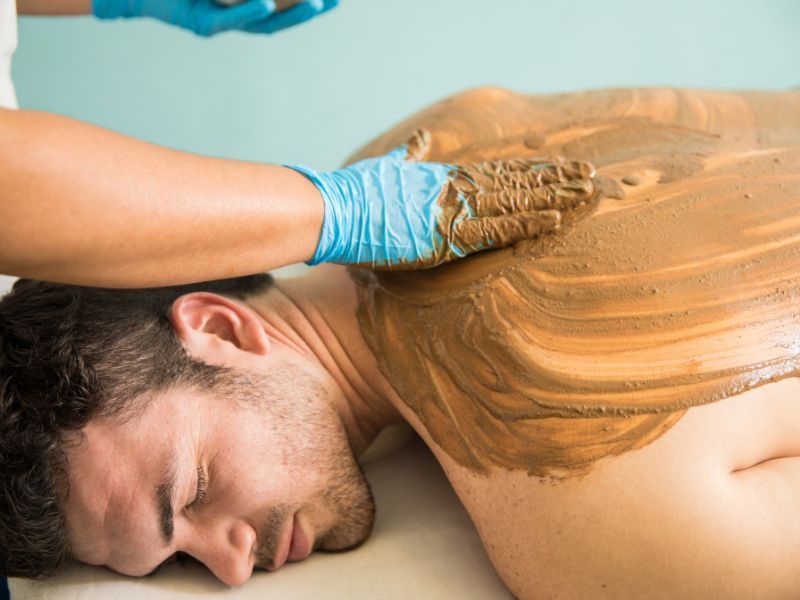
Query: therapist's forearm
[83, 205]
[54, 7]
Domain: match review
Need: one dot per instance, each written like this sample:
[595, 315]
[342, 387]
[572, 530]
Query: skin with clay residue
[592, 339]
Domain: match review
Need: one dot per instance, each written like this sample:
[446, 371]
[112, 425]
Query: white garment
[8, 43]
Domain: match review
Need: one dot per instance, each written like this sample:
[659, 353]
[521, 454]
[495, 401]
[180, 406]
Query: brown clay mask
[675, 285]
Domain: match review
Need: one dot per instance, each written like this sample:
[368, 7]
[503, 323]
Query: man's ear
[218, 329]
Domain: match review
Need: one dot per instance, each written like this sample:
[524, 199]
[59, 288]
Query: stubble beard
[297, 402]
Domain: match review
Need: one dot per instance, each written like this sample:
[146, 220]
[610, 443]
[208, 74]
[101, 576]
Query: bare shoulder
[528, 124]
[707, 510]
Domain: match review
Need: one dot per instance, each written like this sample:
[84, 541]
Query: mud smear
[590, 341]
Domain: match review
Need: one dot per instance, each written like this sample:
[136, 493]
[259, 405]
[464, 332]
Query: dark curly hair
[69, 354]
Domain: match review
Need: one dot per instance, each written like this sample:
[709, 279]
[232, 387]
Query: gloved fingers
[416, 148]
[471, 235]
[329, 5]
[504, 202]
[561, 196]
[503, 187]
[289, 18]
[548, 169]
[513, 165]
[519, 174]
[237, 17]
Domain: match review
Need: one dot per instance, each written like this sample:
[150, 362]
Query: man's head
[137, 424]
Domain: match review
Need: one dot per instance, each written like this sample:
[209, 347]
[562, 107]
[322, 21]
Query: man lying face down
[614, 401]
[239, 459]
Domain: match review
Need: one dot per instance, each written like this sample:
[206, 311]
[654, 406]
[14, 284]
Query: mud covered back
[679, 287]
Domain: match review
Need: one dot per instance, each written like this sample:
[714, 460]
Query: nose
[228, 551]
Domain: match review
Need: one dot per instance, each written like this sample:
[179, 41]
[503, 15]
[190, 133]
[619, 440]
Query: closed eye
[202, 488]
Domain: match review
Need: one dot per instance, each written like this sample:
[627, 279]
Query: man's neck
[315, 315]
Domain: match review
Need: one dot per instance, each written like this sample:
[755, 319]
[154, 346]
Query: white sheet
[423, 547]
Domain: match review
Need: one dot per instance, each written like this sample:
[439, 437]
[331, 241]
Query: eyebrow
[165, 498]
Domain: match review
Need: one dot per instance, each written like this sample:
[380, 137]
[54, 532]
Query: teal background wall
[316, 93]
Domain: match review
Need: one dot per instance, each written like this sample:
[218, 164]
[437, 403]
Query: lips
[300, 546]
[295, 545]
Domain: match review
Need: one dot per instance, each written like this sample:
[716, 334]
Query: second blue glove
[207, 18]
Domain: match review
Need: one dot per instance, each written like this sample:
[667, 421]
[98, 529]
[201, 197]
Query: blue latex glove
[206, 18]
[393, 212]
[291, 16]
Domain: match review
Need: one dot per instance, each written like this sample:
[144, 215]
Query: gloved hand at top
[393, 212]
[206, 17]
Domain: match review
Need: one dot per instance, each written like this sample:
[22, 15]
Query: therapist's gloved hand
[393, 212]
[206, 17]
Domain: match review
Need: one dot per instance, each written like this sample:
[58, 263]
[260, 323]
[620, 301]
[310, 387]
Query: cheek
[266, 463]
